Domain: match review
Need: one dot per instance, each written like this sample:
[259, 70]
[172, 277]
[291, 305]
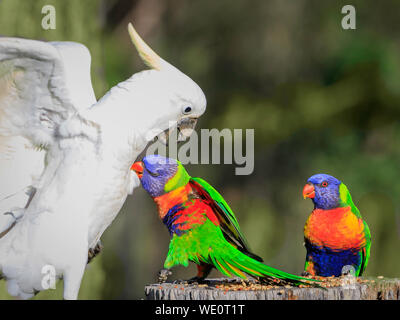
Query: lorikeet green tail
[202, 226]
[337, 238]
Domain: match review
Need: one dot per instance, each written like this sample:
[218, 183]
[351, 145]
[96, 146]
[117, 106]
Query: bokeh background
[320, 98]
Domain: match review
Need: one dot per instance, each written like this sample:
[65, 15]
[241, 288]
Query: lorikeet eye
[153, 174]
[324, 184]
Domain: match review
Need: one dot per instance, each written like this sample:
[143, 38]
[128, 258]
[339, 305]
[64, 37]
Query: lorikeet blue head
[160, 175]
[324, 190]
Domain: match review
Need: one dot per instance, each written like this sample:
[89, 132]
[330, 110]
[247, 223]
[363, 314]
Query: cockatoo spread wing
[42, 84]
[65, 158]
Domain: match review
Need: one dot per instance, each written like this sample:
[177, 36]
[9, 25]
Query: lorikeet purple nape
[202, 226]
[335, 234]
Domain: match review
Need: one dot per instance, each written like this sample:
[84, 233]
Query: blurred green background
[320, 98]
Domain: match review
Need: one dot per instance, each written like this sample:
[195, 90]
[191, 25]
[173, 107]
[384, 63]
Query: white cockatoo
[65, 158]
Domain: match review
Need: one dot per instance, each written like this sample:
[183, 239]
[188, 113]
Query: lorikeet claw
[348, 270]
[179, 281]
[197, 280]
[305, 274]
[163, 275]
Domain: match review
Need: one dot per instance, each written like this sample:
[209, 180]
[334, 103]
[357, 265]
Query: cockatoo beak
[138, 167]
[185, 128]
[309, 191]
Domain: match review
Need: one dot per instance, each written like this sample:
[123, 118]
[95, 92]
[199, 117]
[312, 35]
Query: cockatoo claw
[9, 219]
[93, 252]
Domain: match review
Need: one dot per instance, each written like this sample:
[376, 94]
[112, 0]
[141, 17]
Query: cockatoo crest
[149, 57]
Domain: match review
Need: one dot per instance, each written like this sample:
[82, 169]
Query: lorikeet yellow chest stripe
[336, 229]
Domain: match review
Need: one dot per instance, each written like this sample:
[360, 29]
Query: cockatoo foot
[9, 219]
[93, 252]
[16, 213]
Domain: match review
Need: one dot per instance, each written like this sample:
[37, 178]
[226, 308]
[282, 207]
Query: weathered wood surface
[374, 289]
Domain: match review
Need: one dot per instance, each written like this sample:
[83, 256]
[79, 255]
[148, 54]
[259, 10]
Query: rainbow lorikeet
[335, 234]
[202, 226]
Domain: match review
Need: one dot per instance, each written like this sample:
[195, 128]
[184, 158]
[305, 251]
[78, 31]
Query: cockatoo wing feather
[42, 84]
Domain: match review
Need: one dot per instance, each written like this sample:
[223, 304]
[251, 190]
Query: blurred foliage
[321, 99]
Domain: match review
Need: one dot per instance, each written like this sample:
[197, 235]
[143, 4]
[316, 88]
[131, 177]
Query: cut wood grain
[233, 289]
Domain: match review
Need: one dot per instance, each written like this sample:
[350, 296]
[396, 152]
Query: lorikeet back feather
[225, 215]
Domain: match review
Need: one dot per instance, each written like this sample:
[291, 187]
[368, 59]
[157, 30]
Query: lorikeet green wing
[366, 250]
[227, 219]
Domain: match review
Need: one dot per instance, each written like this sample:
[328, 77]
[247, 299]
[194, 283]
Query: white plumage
[65, 158]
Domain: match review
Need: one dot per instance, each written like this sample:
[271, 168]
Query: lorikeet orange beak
[138, 167]
[309, 191]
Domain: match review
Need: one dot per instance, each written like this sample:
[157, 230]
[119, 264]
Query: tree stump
[235, 289]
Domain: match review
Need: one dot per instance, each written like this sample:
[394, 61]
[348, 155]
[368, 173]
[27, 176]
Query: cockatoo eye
[187, 109]
[324, 184]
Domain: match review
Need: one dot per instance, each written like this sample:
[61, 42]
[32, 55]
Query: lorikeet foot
[180, 281]
[306, 274]
[348, 270]
[163, 275]
[93, 252]
[197, 280]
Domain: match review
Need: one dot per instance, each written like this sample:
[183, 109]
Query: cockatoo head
[166, 97]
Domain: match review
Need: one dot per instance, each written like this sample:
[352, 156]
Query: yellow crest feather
[149, 57]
